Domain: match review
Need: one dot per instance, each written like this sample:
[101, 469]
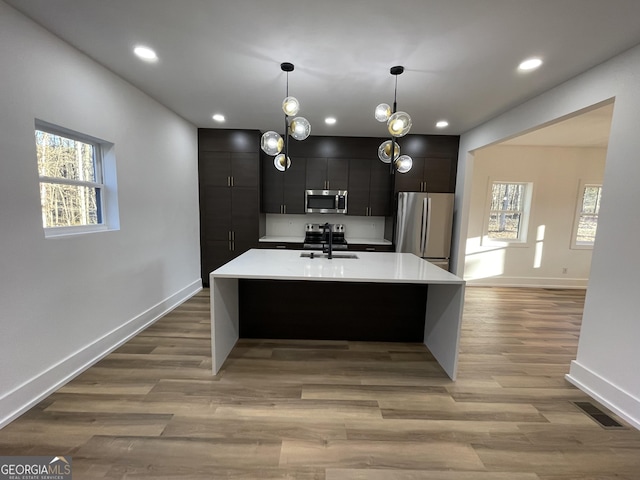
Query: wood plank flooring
[337, 410]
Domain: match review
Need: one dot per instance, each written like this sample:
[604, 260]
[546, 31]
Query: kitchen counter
[382, 267]
[282, 239]
[443, 303]
[367, 241]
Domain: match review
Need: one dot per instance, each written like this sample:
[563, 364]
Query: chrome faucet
[328, 245]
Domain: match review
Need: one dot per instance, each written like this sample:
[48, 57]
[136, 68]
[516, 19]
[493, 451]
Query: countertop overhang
[377, 267]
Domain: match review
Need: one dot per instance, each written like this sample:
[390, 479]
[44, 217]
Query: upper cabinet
[369, 188]
[435, 161]
[229, 169]
[435, 175]
[283, 192]
[327, 173]
[351, 163]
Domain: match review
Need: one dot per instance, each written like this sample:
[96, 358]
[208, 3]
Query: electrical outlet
[565, 270]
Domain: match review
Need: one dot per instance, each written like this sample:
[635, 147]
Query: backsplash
[356, 227]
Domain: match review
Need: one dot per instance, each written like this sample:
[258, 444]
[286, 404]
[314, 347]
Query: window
[508, 212]
[72, 188]
[586, 222]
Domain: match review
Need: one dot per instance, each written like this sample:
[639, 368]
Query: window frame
[99, 149]
[582, 187]
[522, 240]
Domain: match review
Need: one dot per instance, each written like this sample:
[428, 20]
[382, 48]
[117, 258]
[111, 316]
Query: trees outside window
[507, 213]
[586, 221]
[74, 193]
[70, 180]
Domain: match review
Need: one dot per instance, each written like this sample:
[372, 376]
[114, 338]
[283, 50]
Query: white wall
[66, 301]
[608, 353]
[555, 174]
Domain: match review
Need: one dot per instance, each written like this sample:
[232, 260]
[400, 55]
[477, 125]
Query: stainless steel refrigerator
[423, 226]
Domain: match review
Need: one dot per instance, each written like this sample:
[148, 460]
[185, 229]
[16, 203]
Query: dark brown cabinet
[428, 174]
[369, 188]
[229, 195]
[435, 164]
[283, 192]
[368, 247]
[282, 245]
[327, 174]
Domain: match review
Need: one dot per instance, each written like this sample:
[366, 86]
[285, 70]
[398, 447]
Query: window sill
[63, 232]
[490, 242]
[581, 247]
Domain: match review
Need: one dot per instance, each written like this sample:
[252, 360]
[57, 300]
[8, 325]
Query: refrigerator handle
[428, 229]
[424, 225]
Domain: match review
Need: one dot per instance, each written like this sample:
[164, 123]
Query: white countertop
[282, 238]
[367, 241]
[379, 267]
[300, 239]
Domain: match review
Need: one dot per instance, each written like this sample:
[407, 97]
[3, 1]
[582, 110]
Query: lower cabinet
[281, 245]
[368, 247]
[229, 225]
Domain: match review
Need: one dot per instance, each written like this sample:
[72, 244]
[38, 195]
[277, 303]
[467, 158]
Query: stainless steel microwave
[325, 201]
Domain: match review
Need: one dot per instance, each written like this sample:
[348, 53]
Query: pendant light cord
[392, 170]
[286, 136]
[395, 97]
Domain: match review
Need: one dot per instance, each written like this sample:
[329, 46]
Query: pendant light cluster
[297, 127]
[398, 124]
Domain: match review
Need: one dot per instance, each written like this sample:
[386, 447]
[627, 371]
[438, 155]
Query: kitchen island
[441, 315]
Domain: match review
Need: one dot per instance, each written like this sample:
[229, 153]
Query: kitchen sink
[324, 255]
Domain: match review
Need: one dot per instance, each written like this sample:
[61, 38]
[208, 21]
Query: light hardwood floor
[337, 410]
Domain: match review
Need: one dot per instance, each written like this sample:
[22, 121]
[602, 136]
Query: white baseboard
[532, 282]
[22, 398]
[622, 403]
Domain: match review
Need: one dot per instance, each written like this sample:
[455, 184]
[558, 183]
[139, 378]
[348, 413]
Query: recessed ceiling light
[330, 120]
[529, 64]
[218, 117]
[145, 53]
[442, 124]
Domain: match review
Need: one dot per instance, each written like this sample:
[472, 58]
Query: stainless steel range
[316, 236]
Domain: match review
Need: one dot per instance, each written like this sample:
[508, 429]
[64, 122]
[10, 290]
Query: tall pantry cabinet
[229, 180]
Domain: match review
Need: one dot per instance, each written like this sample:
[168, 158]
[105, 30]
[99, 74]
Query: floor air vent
[598, 415]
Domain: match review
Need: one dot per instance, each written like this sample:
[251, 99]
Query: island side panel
[332, 310]
[224, 319]
[443, 324]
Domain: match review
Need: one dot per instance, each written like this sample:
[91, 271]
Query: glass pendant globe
[278, 162]
[271, 143]
[383, 112]
[290, 106]
[384, 151]
[404, 163]
[399, 124]
[299, 128]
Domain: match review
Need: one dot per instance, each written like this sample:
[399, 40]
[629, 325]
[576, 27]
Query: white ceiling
[460, 55]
